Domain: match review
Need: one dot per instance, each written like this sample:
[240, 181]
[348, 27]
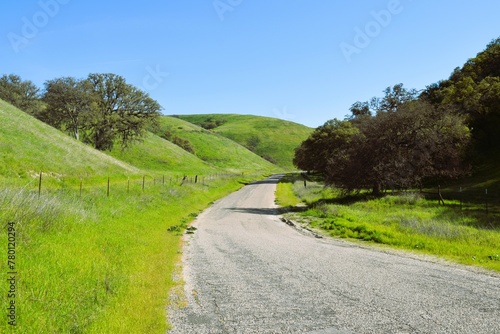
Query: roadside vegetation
[405, 221]
[375, 165]
[89, 259]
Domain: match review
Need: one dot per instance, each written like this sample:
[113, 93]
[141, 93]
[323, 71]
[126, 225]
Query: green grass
[405, 221]
[94, 264]
[285, 196]
[271, 138]
[28, 146]
[215, 149]
[156, 154]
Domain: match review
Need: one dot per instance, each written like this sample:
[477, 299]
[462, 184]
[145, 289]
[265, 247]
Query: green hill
[28, 146]
[213, 148]
[153, 153]
[271, 138]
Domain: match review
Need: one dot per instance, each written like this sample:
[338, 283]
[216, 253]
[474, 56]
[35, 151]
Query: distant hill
[271, 138]
[153, 153]
[28, 146]
[212, 148]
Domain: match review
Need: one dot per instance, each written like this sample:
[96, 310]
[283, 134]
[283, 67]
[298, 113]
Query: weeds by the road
[98, 264]
[406, 221]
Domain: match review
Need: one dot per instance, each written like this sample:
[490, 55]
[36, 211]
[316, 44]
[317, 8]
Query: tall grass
[406, 221]
[98, 264]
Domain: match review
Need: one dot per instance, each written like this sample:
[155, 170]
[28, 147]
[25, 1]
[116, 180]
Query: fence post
[461, 202]
[40, 185]
[128, 185]
[107, 193]
[486, 198]
[196, 179]
[440, 196]
[81, 185]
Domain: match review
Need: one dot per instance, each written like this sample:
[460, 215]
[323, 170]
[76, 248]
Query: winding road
[245, 271]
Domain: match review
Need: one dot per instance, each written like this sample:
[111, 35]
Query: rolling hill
[271, 138]
[155, 154]
[213, 148]
[28, 146]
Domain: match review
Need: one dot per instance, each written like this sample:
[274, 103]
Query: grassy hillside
[271, 138]
[212, 148]
[28, 146]
[92, 260]
[156, 154]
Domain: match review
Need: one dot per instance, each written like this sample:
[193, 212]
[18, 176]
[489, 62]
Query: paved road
[247, 272]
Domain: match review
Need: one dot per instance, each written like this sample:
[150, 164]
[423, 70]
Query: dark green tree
[474, 92]
[121, 112]
[394, 149]
[69, 104]
[328, 150]
[24, 95]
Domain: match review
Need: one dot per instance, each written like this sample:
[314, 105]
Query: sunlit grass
[406, 221]
[98, 264]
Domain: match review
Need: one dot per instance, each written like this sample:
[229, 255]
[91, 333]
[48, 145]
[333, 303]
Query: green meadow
[405, 221]
[96, 246]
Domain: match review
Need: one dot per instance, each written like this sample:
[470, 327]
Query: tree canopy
[121, 112]
[474, 92]
[101, 110]
[404, 142]
[404, 138]
[22, 94]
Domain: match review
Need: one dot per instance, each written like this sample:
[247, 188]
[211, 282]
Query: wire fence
[135, 183]
[475, 201]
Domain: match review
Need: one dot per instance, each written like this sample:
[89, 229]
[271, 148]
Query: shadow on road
[270, 180]
[256, 211]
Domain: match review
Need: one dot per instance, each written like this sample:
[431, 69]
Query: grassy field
[88, 260]
[271, 138]
[405, 221]
[98, 264]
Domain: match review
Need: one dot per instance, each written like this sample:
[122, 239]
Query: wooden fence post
[143, 182]
[486, 200]
[461, 201]
[81, 185]
[40, 185]
[107, 192]
[440, 196]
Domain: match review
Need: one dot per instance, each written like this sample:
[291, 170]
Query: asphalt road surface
[245, 271]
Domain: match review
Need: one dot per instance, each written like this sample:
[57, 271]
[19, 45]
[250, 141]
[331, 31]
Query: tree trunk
[376, 189]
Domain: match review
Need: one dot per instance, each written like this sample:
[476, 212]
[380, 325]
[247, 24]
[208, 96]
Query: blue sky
[306, 61]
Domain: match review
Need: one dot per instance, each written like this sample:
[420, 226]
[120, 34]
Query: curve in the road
[247, 272]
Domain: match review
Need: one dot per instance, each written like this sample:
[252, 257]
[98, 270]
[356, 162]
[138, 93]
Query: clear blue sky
[301, 60]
